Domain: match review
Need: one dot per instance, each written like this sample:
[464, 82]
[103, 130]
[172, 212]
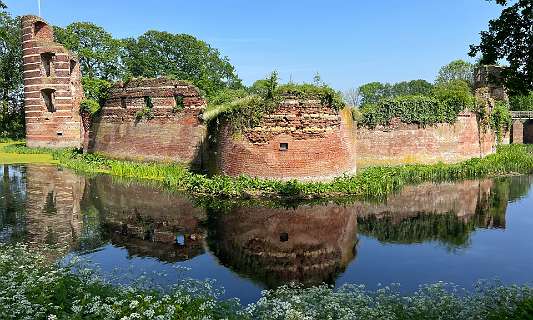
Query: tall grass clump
[33, 288]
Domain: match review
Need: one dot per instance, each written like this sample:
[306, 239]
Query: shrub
[522, 103]
[90, 106]
[96, 89]
[245, 109]
[500, 119]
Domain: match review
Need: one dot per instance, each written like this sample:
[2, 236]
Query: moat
[454, 232]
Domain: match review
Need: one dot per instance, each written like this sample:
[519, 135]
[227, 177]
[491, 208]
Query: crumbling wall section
[151, 119]
[402, 143]
[301, 139]
[52, 88]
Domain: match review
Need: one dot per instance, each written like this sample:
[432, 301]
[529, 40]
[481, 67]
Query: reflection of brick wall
[173, 134]
[53, 206]
[320, 144]
[307, 244]
[462, 198]
[48, 127]
[407, 143]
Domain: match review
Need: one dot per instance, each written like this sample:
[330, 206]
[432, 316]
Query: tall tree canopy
[456, 70]
[98, 52]
[374, 91]
[11, 94]
[157, 53]
[153, 54]
[510, 37]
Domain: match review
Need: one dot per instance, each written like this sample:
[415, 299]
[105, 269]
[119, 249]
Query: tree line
[104, 59]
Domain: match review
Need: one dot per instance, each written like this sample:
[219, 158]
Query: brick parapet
[173, 133]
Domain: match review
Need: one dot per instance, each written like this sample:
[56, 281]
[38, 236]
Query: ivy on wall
[420, 110]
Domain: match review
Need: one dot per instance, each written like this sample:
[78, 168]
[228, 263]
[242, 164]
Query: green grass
[375, 182]
[21, 157]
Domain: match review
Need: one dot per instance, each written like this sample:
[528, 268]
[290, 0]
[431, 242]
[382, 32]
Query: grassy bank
[375, 182]
[14, 158]
[31, 288]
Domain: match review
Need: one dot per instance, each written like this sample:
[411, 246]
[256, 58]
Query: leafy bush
[522, 103]
[500, 119]
[90, 106]
[455, 92]
[96, 89]
[411, 109]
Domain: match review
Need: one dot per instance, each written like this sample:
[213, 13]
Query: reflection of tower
[147, 221]
[53, 206]
[310, 245]
[52, 88]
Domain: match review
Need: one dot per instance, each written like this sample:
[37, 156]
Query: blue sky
[347, 42]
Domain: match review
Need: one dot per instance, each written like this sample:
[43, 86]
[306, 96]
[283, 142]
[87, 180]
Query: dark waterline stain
[454, 232]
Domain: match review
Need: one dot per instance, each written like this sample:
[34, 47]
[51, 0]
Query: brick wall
[174, 134]
[408, 143]
[50, 71]
[319, 142]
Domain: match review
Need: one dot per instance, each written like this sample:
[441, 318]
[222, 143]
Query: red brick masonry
[403, 143]
[302, 140]
[58, 127]
[174, 134]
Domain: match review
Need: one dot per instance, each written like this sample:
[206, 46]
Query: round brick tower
[52, 88]
[302, 139]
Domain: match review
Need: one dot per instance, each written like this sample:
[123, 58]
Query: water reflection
[308, 244]
[146, 221]
[270, 245]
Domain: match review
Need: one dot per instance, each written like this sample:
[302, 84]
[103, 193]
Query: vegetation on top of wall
[33, 288]
[522, 102]
[244, 108]
[442, 105]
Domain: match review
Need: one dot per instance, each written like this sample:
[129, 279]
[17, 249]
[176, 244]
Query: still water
[454, 232]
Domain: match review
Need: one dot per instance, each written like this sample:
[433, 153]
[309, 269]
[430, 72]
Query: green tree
[183, 56]
[413, 87]
[98, 52]
[456, 70]
[11, 88]
[510, 37]
[374, 91]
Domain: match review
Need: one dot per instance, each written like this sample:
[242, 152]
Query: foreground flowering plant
[32, 288]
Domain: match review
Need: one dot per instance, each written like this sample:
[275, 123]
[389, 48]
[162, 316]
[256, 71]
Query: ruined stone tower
[52, 88]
